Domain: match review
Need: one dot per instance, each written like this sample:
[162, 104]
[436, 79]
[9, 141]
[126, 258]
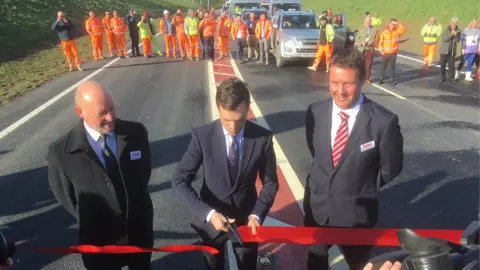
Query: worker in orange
[119, 27]
[94, 27]
[263, 31]
[192, 24]
[431, 33]
[325, 44]
[65, 30]
[388, 47]
[169, 32]
[207, 25]
[223, 27]
[178, 21]
[240, 35]
[110, 36]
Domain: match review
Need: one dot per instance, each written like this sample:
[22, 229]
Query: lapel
[122, 137]
[363, 119]
[220, 151]
[247, 150]
[325, 136]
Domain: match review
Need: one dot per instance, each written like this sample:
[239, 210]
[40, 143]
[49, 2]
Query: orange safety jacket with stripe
[207, 25]
[223, 27]
[239, 27]
[388, 43]
[94, 26]
[179, 22]
[106, 24]
[267, 29]
[118, 26]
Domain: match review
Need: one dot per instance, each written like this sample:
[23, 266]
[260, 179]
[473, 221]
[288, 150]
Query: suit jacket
[81, 184]
[373, 38]
[208, 148]
[348, 194]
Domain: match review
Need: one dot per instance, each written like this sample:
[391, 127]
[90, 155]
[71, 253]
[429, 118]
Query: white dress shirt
[228, 142]
[336, 120]
[94, 138]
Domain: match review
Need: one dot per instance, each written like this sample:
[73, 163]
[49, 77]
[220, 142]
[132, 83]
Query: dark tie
[113, 171]
[233, 159]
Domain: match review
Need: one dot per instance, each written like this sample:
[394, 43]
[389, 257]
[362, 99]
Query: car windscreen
[299, 22]
[246, 6]
[287, 7]
[246, 15]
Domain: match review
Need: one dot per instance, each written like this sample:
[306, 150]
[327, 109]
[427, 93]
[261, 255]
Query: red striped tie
[341, 139]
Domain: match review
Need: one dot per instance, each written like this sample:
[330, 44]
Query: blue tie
[233, 159]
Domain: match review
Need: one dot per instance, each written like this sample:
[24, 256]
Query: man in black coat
[357, 147]
[133, 31]
[99, 172]
[232, 151]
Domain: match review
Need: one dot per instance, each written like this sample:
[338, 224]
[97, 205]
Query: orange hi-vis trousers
[121, 45]
[223, 46]
[97, 46]
[183, 44]
[69, 48]
[170, 45]
[428, 53]
[323, 51]
[194, 45]
[147, 46]
[111, 43]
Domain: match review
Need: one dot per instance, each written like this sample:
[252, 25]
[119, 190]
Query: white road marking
[388, 91]
[47, 104]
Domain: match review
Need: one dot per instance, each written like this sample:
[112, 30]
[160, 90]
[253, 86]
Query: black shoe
[381, 82]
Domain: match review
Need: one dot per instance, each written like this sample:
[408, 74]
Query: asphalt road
[438, 188]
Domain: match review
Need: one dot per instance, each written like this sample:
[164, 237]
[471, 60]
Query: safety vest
[376, 21]
[388, 43]
[106, 24]
[266, 27]
[208, 26]
[435, 30]
[223, 27]
[239, 27]
[94, 26]
[119, 27]
[191, 25]
[329, 32]
[179, 22]
[145, 31]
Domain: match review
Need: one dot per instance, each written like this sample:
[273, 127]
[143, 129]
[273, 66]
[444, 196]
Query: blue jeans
[469, 58]
[240, 48]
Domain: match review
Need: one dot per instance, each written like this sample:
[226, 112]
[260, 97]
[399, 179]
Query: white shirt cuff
[210, 214]
[257, 217]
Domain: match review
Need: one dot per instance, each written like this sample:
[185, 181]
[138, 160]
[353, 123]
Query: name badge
[134, 155]
[367, 146]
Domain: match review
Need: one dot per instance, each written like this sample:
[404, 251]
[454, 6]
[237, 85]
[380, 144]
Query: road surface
[437, 189]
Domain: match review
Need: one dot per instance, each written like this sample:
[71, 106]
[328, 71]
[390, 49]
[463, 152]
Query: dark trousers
[368, 55]
[246, 254]
[388, 60]
[209, 47]
[450, 60]
[355, 256]
[203, 45]
[141, 261]
[134, 39]
[240, 48]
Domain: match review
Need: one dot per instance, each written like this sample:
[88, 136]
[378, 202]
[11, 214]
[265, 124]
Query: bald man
[65, 30]
[99, 172]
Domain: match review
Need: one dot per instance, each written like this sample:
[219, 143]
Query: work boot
[79, 68]
[457, 75]
[468, 76]
[70, 69]
[312, 68]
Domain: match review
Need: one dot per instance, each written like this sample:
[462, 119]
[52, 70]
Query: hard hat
[166, 12]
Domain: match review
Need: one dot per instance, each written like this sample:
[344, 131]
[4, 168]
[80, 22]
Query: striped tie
[341, 139]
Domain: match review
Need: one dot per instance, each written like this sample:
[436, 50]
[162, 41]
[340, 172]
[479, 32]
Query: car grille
[308, 41]
[309, 50]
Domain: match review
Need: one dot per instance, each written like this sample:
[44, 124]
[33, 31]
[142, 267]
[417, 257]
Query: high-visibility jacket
[388, 43]
[118, 25]
[267, 28]
[376, 21]
[192, 26]
[106, 24]
[145, 31]
[435, 30]
[164, 28]
[223, 27]
[239, 27]
[179, 22]
[207, 25]
[94, 26]
[329, 32]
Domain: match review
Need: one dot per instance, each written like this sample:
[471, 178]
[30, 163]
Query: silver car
[295, 35]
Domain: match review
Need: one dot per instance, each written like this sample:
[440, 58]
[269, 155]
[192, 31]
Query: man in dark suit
[232, 151]
[357, 147]
[99, 172]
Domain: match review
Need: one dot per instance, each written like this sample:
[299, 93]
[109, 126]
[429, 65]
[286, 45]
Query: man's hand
[363, 43]
[219, 221]
[8, 264]
[386, 266]
[254, 224]
[463, 51]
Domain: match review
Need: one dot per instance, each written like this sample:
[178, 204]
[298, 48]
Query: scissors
[235, 232]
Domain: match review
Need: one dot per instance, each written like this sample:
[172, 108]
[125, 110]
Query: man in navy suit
[232, 151]
[357, 147]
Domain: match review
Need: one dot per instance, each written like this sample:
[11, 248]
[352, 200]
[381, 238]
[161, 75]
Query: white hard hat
[166, 12]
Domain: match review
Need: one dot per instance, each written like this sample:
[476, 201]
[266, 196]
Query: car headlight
[290, 41]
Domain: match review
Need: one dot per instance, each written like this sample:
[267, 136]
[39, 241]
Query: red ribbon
[125, 249]
[338, 236]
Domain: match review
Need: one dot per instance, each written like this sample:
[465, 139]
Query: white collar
[240, 134]
[95, 134]
[352, 111]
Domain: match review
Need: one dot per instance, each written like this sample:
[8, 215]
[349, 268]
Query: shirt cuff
[210, 214]
[257, 217]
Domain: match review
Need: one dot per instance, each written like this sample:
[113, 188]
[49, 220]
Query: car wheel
[279, 60]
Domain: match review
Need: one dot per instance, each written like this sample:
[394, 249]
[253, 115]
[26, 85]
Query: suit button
[109, 183]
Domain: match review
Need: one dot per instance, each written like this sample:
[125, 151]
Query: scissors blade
[235, 233]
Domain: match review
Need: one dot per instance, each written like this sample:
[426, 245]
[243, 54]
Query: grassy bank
[34, 55]
[412, 13]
